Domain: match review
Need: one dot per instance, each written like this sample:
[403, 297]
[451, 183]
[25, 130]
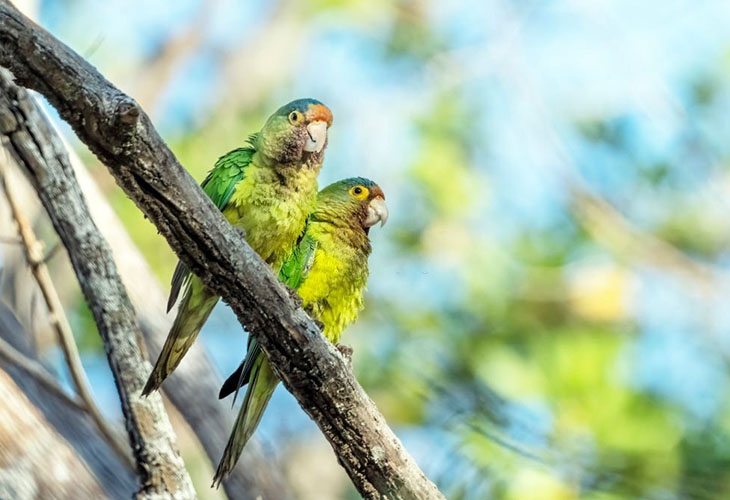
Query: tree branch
[13, 356]
[159, 465]
[34, 255]
[169, 57]
[121, 135]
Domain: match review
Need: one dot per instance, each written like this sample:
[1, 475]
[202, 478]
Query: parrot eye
[359, 192]
[295, 117]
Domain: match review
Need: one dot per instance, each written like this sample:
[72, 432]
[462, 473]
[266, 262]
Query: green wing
[297, 266]
[293, 273]
[219, 185]
[221, 181]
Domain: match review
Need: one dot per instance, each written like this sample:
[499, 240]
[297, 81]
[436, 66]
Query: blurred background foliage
[547, 313]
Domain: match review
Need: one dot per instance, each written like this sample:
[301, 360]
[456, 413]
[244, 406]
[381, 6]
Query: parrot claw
[294, 296]
[241, 231]
[346, 351]
[319, 324]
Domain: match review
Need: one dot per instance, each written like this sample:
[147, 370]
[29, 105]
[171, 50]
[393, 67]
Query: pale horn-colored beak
[377, 212]
[317, 131]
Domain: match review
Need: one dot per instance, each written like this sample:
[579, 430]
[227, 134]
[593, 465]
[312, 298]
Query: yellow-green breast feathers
[272, 213]
[332, 292]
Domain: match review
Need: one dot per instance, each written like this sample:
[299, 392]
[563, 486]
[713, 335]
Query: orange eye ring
[359, 192]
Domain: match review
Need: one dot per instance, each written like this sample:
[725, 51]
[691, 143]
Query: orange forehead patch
[319, 112]
[375, 191]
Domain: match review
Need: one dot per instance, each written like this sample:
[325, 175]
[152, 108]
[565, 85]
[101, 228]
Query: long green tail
[260, 388]
[196, 306]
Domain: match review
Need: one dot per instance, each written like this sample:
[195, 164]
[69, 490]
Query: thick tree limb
[121, 135]
[159, 465]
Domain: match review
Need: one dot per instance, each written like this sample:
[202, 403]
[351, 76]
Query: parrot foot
[319, 324]
[346, 351]
[294, 296]
[241, 231]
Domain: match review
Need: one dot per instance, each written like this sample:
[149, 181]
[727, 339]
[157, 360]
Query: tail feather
[196, 306]
[262, 384]
[242, 375]
[179, 277]
[232, 383]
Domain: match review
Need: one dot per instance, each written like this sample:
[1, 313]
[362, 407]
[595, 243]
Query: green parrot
[267, 189]
[329, 270]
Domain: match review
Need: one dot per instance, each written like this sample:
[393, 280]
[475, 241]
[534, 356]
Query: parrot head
[354, 202]
[297, 132]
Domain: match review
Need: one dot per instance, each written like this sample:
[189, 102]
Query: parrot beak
[317, 131]
[377, 212]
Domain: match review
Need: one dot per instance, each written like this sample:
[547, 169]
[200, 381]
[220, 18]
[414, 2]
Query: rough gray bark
[114, 127]
[49, 447]
[159, 465]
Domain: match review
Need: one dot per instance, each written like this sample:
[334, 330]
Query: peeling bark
[114, 127]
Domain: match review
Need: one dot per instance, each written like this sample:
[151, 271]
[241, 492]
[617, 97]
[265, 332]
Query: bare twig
[36, 260]
[159, 466]
[50, 253]
[36, 370]
[610, 228]
[161, 68]
[121, 135]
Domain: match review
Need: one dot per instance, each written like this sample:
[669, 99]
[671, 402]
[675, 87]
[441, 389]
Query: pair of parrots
[317, 242]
